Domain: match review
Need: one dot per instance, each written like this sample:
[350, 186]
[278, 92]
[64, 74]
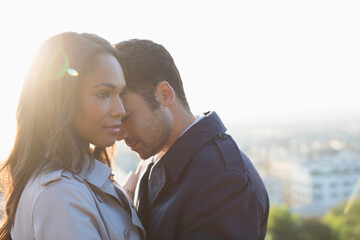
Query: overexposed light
[251, 61]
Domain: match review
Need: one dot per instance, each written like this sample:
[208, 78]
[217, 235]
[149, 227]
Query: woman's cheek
[95, 109]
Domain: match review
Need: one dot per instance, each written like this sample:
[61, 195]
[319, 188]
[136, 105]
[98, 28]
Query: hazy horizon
[263, 62]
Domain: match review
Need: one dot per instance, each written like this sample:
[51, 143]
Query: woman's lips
[113, 128]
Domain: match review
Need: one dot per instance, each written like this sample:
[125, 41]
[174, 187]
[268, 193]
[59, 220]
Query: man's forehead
[131, 97]
[128, 92]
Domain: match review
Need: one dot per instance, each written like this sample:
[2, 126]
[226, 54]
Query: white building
[313, 184]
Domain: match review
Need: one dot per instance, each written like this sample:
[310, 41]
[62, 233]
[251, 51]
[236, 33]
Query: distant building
[273, 187]
[314, 183]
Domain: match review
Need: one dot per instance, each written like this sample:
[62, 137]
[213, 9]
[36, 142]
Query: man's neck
[182, 120]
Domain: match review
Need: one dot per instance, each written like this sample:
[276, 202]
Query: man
[199, 185]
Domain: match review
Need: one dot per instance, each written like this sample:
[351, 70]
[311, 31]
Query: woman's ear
[165, 93]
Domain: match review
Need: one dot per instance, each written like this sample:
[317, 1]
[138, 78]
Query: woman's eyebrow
[110, 85]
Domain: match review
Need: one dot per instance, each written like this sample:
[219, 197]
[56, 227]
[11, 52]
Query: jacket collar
[97, 175]
[179, 154]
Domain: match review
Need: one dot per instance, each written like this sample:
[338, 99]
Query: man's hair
[145, 64]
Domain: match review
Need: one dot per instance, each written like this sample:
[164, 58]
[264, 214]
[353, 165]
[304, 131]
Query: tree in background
[315, 229]
[282, 224]
[345, 220]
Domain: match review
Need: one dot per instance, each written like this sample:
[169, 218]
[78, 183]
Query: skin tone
[144, 131]
[149, 132]
[152, 132]
[99, 106]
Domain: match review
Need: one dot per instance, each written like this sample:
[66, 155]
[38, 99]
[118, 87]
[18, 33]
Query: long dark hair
[45, 137]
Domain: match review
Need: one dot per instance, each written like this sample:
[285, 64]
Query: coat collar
[97, 175]
[180, 153]
[188, 144]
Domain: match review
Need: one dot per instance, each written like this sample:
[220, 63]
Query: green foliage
[315, 229]
[341, 223]
[345, 224]
[282, 224]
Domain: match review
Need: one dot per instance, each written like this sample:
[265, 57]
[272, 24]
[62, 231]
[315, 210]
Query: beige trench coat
[55, 205]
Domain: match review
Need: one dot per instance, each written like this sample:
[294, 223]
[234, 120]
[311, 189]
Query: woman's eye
[103, 95]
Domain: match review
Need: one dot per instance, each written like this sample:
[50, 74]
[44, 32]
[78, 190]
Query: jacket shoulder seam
[47, 187]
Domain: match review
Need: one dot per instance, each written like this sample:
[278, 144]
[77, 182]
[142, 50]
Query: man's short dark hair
[145, 64]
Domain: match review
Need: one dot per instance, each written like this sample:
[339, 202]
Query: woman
[58, 174]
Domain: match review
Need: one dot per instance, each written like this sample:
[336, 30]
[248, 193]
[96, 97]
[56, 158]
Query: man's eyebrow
[109, 85]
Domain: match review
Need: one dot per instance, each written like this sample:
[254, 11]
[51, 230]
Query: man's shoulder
[221, 154]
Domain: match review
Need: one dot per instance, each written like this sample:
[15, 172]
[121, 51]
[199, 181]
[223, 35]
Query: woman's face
[99, 107]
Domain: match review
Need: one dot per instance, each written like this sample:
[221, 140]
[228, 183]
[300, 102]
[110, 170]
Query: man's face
[144, 130]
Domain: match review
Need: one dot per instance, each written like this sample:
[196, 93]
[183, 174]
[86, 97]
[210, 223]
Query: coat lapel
[139, 189]
[141, 194]
[129, 206]
[156, 182]
[99, 177]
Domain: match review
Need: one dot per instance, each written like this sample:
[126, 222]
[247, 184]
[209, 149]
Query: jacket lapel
[186, 145]
[143, 176]
[141, 194]
[156, 182]
[130, 207]
[99, 177]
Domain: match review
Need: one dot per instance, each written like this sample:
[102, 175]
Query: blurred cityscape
[308, 166]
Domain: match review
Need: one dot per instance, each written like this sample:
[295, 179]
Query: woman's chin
[104, 144]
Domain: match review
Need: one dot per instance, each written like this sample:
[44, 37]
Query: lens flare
[72, 72]
[61, 61]
[352, 198]
[65, 64]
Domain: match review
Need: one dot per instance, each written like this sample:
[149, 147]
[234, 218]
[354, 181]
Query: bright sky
[251, 61]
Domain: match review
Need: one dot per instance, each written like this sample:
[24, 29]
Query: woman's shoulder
[49, 178]
[47, 192]
[46, 182]
[61, 189]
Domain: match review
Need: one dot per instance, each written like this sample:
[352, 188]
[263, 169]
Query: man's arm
[229, 206]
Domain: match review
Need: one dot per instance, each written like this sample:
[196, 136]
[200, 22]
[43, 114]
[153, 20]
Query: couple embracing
[81, 95]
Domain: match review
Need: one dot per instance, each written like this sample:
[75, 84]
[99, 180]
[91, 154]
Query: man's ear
[165, 93]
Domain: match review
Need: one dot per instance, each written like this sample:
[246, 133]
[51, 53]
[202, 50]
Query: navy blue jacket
[204, 187]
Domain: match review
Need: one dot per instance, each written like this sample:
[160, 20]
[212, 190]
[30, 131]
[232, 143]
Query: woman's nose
[117, 109]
